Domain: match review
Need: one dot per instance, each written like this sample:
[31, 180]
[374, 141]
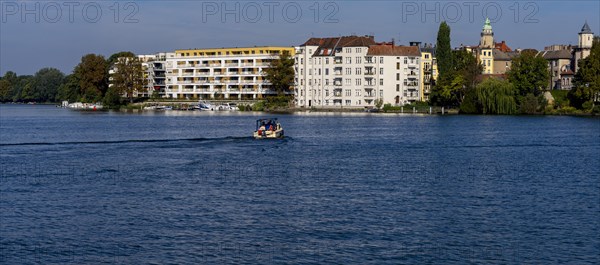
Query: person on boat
[269, 126]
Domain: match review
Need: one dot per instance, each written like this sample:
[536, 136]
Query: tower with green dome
[487, 35]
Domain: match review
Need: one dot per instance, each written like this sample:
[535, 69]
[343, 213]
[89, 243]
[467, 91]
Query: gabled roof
[503, 56]
[386, 50]
[556, 55]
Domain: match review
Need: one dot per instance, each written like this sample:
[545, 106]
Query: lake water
[185, 187]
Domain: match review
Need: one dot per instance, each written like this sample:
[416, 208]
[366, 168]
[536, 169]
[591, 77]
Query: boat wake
[230, 138]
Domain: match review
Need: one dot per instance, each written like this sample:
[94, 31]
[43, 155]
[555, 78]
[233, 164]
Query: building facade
[154, 68]
[429, 71]
[355, 72]
[225, 73]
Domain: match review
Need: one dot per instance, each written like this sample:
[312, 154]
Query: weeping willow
[496, 97]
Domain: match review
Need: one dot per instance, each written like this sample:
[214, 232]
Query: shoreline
[290, 111]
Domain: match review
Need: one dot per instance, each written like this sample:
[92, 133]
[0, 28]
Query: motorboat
[227, 107]
[205, 106]
[268, 129]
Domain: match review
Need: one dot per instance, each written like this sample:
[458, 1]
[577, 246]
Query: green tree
[587, 79]
[45, 84]
[128, 78]
[496, 97]
[92, 75]
[443, 49]
[69, 89]
[465, 64]
[113, 58]
[451, 88]
[529, 74]
[6, 86]
[281, 73]
[21, 88]
[5, 89]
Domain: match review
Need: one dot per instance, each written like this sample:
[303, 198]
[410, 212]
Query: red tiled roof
[394, 50]
[502, 46]
[567, 72]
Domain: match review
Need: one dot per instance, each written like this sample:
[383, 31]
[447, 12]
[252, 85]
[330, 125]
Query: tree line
[88, 82]
[460, 83]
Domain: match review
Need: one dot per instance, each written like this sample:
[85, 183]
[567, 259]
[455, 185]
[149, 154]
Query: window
[326, 82]
[326, 102]
[348, 71]
[358, 59]
[348, 102]
[358, 102]
[327, 93]
[348, 93]
[381, 60]
[426, 56]
[326, 60]
[301, 71]
[381, 93]
[397, 87]
[398, 66]
[398, 76]
[310, 82]
[348, 50]
[358, 50]
[358, 71]
[301, 60]
[357, 93]
[348, 60]
[381, 82]
[405, 60]
[319, 72]
[358, 81]
[348, 81]
[309, 71]
[381, 70]
[327, 71]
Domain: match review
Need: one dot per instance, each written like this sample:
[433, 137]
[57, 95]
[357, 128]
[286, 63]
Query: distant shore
[180, 106]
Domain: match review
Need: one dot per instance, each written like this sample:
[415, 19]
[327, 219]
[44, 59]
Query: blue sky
[66, 32]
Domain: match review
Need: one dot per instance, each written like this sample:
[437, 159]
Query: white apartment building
[154, 67]
[354, 72]
[225, 73]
